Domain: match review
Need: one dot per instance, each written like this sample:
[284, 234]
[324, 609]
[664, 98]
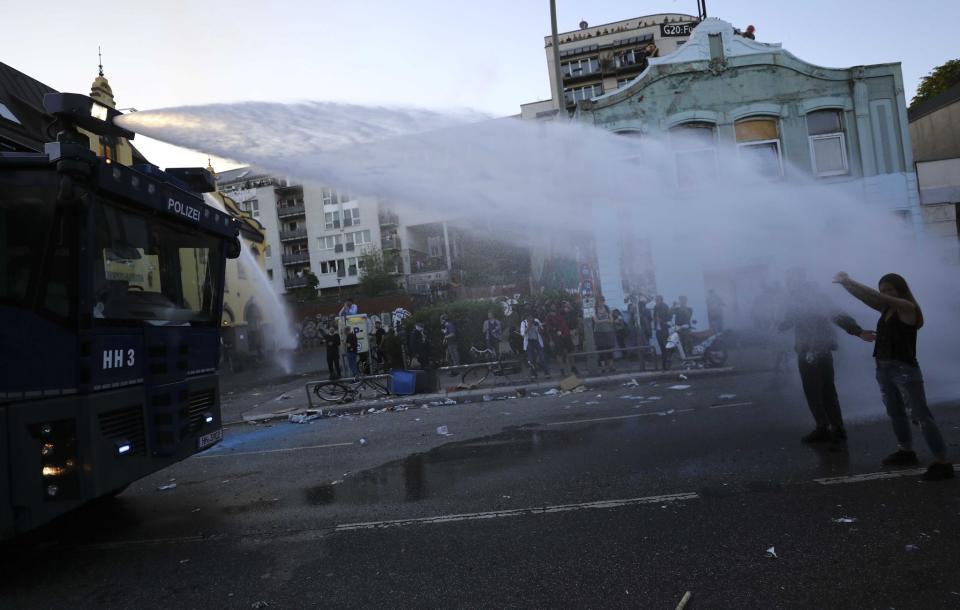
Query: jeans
[453, 355]
[816, 376]
[333, 364]
[352, 363]
[901, 386]
[536, 358]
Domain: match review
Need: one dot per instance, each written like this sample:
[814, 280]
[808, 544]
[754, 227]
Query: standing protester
[392, 351]
[560, 341]
[492, 331]
[331, 338]
[715, 307]
[640, 316]
[811, 316]
[532, 331]
[377, 348]
[419, 347]
[682, 317]
[898, 372]
[661, 327]
[450, 340]
[620, 328]
[603, 334]
[573, 316]
[352, 349]
[349, 308]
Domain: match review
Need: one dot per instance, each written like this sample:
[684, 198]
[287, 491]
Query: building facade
[743, 101]
[599, 59]
[935, 133]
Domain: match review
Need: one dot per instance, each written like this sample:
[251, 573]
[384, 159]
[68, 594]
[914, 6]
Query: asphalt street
[614, 497]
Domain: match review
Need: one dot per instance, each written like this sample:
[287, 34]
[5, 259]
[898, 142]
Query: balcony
[390, 242]
[293, 259]
[295, 282]
[294, 234]
[289, 189]
[288, 211]
[389, 219]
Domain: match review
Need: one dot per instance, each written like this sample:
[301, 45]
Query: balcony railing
[292, 259]
[295, 282]
[290, 210]
[388, 219]
[295, 234]
[390, 243]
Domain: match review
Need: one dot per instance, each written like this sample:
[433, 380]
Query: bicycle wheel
[380, 385]
[475, 375]
[332, 391]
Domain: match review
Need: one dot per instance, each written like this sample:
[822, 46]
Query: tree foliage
[375, 276]
[308, 292]
[939, 80]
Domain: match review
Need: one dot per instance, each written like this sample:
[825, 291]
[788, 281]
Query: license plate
[209, 439]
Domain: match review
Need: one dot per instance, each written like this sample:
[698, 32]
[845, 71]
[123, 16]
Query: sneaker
[818, 435]
[839, 435]
[901, 457]
[938, 471]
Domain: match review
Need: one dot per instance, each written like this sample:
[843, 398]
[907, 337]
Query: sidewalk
[281, 409]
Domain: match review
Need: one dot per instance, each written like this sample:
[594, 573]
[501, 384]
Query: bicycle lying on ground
[343, 390]
[487, 362]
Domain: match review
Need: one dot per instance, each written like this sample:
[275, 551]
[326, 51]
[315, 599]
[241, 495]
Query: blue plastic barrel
[403, 383]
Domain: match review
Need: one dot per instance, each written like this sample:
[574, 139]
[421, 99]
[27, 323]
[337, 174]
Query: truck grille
[201, 402]
[125, 424]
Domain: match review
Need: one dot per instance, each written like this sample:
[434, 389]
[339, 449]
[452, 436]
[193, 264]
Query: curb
[495, 392]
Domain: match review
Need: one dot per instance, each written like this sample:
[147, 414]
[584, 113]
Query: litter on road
[772, 553]
[682, 377]
[727, 396]
[551, 392]
[631, 384]
[363, 441]
[443, 431]
[487, 398]
[679, 387]
[166, 487]
[303, 418]
[684, 600]
[911, 547]
[845, 520]
[569, 384]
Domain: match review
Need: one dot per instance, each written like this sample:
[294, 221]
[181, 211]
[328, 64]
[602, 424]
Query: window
[758, 139]
[352, 266]
[828, 147]
[580, 67]
[578, 94]
[331, 266]
[435, 246]
[631, 57]
[695, 153]
[358, 238]
[329, 242]
[147, 269]
[331, 220]
[270, 274]
[351, 217]
[623, 82]
[331, 196]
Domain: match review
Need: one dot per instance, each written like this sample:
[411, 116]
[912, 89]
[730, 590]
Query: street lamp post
[339, 295]
[555, 39]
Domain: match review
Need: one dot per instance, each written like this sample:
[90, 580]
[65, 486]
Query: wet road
[623, 497]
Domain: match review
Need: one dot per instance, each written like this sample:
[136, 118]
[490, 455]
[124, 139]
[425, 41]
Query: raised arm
[875, 299]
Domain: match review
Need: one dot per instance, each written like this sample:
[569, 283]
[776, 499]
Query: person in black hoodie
[812, 317]
[331, 338]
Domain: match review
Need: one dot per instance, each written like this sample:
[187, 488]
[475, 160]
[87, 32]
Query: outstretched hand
[868, 335]
[841, 278]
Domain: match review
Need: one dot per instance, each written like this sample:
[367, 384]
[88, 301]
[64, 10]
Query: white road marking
[732, 404]
[650, 414]
[517, 512]
[871, 476]
[286, 449]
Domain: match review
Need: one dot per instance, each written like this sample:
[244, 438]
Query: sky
[437, 54]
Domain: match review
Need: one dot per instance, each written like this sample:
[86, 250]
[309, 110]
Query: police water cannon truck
[111, 290]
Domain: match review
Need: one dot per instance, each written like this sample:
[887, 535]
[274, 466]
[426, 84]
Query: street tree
[939, 80]
[375, 275]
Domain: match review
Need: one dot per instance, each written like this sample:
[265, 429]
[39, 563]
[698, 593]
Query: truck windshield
[148, 269]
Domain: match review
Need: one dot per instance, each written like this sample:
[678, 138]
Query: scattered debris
[260, 604]
[592, 402]
[568, 384]
[443, 431]
[653, 398]
[363, 441]
[551, 392]
[911, 547]
[629, 397]
[487, 398]
[682, 377]
[772, 553]
[631, 384]
[579, 389]
[521, 392]
[845, 520]
[534, 393]
[303, 418]
[679, 387]
[449, 401]
[283, 396]
[653, 383]
[665, 413]
[727, 396]
[417, 419]
[166, 487]
[684, 600]
[183, 561]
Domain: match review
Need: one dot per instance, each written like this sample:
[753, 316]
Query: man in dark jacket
[661, 327]
[812, 317]
[419, 347]
[331, 338]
